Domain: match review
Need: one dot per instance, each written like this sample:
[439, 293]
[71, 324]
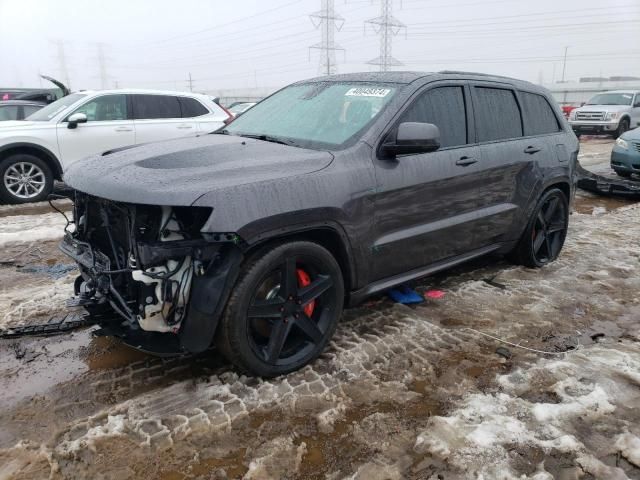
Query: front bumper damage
[166, 282]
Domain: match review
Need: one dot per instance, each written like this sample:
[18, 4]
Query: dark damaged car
[255, 237]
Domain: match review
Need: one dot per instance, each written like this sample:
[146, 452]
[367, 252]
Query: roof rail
[459, 72]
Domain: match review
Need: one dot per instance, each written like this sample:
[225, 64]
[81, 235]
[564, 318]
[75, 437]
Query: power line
[387, 26]
[328, 22]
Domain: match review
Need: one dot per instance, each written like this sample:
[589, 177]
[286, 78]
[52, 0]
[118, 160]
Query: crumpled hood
[178, 172]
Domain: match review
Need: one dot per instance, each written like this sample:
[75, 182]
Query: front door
[108, 126]
[428, 204]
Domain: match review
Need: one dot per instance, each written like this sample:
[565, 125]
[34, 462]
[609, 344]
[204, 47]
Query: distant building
[576, 93]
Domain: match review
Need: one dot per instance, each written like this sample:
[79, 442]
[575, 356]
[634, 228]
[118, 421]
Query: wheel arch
[327, 234]
[36, 150]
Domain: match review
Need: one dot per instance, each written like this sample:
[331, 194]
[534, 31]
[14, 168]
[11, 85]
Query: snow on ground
[30, 228]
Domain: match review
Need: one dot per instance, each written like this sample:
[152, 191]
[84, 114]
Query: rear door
[108, 126]
[426, 203]
[207, 118]
[508, 160]
[159, 117]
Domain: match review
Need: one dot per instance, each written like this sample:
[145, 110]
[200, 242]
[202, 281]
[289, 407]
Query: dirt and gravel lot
[417, 393]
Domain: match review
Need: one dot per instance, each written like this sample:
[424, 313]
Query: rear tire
[623, 126]
[546, 231]
[24, 178]
[273, 324]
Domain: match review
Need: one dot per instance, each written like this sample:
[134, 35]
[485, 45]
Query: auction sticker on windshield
[367, 92]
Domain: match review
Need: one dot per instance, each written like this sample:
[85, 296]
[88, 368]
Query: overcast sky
[247, 43]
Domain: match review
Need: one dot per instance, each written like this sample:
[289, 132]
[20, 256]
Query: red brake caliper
[303, 281]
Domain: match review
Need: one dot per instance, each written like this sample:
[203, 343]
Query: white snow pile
[577, 409]
[19, 305]
[30, 228]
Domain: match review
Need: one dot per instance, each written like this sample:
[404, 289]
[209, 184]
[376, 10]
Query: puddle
[595, 205]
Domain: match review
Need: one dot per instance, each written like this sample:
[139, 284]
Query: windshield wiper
[269, 138]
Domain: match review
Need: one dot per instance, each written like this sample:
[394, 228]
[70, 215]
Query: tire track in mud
[388, 369]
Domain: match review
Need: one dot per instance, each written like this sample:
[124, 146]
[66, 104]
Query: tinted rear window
[147, 107]
[497, 114]
[191, 107]
[538, 115]
[444, 107]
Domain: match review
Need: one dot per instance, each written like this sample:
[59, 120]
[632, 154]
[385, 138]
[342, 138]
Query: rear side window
[538, 115]
[30, 109]
[497, 114]
[147, 107]
[8, 112]
[444, 107]
[191, 107]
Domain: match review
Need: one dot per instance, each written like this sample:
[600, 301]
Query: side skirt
[359, 296]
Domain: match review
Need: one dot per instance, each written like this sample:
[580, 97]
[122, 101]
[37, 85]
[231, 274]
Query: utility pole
[328, 22]
[564, 63]
[190, 82]
[387, 26]
[62, 62]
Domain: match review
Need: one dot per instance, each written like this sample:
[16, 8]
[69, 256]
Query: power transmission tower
[387, 26]
[62, 61]
[190, 82]
[328, 22]
[102, 65]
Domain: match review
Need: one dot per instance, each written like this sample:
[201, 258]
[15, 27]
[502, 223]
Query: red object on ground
[303, 281]
[434, 294]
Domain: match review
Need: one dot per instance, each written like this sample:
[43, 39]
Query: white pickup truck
[611, 113]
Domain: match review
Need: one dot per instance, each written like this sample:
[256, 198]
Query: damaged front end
[151, 265]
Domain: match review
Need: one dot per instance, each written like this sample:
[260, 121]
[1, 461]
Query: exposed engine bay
[141, 260]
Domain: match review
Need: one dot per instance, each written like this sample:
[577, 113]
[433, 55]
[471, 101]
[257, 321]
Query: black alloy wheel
[283, 309]
[545, 234]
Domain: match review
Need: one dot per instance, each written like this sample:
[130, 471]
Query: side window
[444, 107]
[29, 109]
[147, 107]
[538, 115]
[105, 108]
[497, 114]
[191, 107]
[636, 103]
[8, 112]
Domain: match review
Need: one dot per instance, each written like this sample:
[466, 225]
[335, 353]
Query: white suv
[36, 151]
[612, 113]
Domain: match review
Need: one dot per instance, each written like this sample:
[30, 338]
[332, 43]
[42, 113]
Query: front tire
[623, 126]
[283, 309]
[24, 178]
[546, 231]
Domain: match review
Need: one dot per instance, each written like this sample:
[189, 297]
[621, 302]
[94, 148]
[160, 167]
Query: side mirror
[75, 119]
[414, 137]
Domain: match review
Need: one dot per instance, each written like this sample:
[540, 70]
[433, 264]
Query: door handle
[124, 129]
[466, 161]
[184, 127]
[531, 150]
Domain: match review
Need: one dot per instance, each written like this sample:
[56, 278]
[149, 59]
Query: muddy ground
[417, 393]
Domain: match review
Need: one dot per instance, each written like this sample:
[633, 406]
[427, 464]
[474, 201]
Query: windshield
[611, 99]
[315, 115]
[47, 113]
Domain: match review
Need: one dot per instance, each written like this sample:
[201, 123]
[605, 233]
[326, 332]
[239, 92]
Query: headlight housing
[572, 115]
[612, 115]
[622, 143]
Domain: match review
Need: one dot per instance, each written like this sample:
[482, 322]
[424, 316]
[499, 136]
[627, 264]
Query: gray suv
[253, 238]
